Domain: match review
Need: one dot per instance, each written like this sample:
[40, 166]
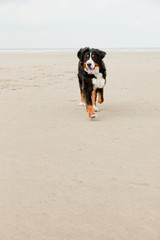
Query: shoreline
[53, 50]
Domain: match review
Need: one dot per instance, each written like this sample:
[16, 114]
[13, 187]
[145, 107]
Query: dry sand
[64, 177]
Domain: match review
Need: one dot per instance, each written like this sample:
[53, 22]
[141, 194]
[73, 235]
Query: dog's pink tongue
[90, 71]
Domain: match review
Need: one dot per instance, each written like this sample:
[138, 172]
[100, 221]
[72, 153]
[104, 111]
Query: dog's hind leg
[100, 95]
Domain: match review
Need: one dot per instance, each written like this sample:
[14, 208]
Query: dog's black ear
[100, 53]
[81, 52]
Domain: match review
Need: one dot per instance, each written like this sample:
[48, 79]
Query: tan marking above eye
[87, 55]
[93, 55]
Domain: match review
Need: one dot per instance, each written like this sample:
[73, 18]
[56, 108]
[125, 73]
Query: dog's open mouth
[90, 70]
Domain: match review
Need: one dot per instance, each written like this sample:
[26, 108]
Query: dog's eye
[93, 55]
[87, 55]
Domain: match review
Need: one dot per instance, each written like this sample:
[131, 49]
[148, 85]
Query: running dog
[92, 78]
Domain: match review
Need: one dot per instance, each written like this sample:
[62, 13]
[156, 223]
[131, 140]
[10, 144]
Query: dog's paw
[82, 104]
[92, 116]
[95, 108]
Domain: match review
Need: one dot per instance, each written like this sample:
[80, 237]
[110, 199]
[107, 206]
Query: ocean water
[41, 50]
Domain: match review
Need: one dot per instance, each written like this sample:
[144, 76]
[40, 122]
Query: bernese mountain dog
[92, 78]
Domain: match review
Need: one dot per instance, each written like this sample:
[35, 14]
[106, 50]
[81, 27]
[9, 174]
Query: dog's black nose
[89, 65]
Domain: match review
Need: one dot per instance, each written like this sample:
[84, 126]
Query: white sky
[75, 24]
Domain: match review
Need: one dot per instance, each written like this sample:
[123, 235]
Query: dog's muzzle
[90, 66]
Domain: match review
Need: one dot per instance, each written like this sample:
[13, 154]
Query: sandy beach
[64, 177]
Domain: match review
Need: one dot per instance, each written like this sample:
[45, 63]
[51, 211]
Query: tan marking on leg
[99, 98]
[82, 96]
[94, 97]
[90, 110]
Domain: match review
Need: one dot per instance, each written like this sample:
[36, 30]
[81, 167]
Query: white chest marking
[99, 81]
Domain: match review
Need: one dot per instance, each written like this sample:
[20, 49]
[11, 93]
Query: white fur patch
[95, 108]
[96, 72]
[82, 104]
[99, 81]
[93, 116]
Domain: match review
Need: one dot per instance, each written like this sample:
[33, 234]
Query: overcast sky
[79, 23]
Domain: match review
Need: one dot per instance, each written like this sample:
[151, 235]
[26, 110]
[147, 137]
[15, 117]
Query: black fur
[85, 79]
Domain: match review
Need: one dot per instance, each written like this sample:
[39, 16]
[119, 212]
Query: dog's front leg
[89, 96]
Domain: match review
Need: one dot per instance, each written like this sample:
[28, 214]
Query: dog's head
[90, 58]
